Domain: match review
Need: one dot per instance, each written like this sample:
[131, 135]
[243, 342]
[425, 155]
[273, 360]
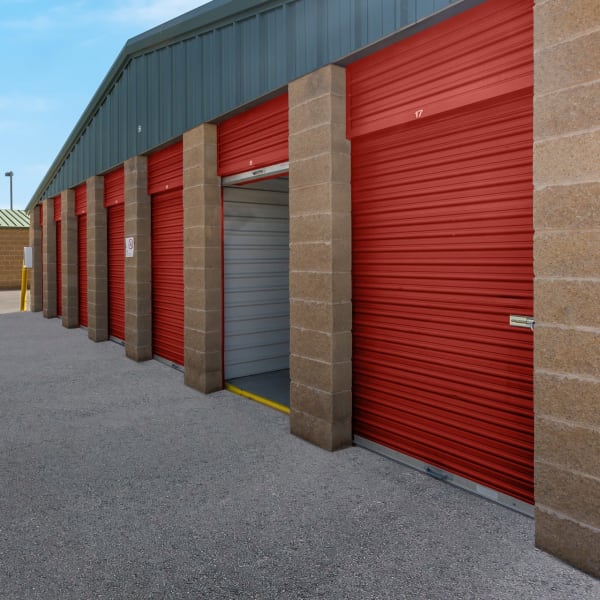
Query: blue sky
[54, 56]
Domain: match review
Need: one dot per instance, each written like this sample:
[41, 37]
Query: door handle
[521, 321]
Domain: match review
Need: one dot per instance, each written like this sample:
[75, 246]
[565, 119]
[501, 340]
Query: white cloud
[153, 12]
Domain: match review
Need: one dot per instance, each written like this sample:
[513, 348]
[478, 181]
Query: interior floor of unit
[273, 386]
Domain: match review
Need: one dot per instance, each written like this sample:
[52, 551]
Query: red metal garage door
[57, 220]
[42, 248]
[114, 197]
[80, 212]
[254, 139]
[165, 185]
[442, 251]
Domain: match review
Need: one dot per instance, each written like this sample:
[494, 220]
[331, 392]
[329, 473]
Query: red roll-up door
[42, 248]
[57, 221]
[167, 276]
[80, 212]
[254, 139]
[165, 181]
[442, 255]
[114, 197]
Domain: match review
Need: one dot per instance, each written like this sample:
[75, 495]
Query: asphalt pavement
[117, 481]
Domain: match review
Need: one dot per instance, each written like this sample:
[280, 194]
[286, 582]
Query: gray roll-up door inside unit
[256, 260]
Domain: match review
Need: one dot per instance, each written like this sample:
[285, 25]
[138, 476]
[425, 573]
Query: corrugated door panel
[115, 221]
[114, 198]
[114, 187]
[58, 269]
[165, 169]
[254, 139]
[42, 246]
[442, 255]
[167, 276]
[57, 206]
[80, 212]
[256, 259]
[81, 199]
[483, 53]
[82, 268]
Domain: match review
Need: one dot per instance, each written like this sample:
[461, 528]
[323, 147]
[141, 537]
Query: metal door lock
[521, 321]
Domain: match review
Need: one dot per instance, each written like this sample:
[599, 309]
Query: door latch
[521, 321]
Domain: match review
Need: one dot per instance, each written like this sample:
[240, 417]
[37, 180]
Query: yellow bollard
[23, 286]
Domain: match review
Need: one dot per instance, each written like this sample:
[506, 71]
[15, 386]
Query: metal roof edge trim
[205, 15]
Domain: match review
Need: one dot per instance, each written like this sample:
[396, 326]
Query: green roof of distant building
[13, 218]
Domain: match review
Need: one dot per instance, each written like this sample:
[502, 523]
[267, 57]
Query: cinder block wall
[567, 283]
[12, 242]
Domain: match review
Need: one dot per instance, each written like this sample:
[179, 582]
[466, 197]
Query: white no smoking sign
[129, 247]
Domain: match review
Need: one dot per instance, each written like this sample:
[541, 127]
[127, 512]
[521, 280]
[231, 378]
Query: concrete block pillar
[70, 274]
[203, 334]
[35, 274]
[97, 261]
[49, 259]
[138, 276]
[320, 260]
[567, 280]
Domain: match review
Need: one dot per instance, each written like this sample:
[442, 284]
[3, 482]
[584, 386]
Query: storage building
[14, 236]
[349, 198]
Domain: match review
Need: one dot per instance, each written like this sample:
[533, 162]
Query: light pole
[10, 175]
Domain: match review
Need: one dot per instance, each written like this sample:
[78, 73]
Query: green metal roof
[13, 218]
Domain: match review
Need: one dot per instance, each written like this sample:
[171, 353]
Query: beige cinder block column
[138, 278]
[70, 275]
[202, 261]
[320, 260]
[567, 280]
[97, 257]
[35, 274]
[49, 260]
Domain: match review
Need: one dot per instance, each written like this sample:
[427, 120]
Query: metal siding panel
[82, 269]
[167, 276]
[130, 99]
[275, 47]
[124, 123]
[254, 139]
[485, 52]
[142, 93]
[165, 91]
[153, 99]
[194, 106]
[249, 39]
[340, 20]
[210, 66]
[114, 147]
[115, 221]
[256, 281]
[442, 254]
[179, 93]
[230, 96]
